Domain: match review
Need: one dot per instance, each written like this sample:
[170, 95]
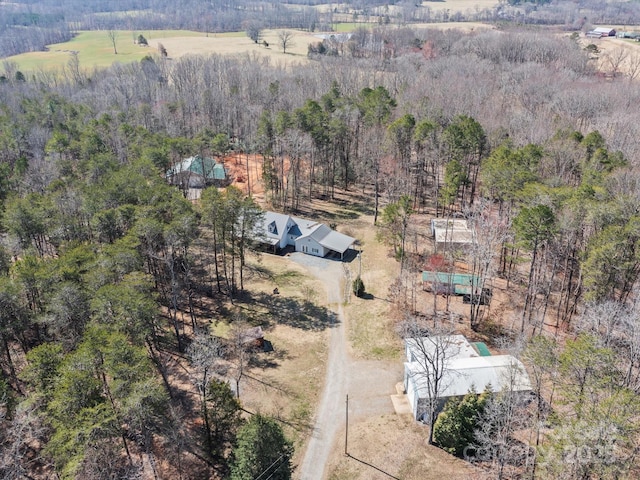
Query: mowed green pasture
[96, 50]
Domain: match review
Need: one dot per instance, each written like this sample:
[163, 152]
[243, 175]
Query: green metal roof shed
[451, 278]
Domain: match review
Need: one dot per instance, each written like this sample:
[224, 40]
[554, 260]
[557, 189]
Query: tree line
[31, 27]
[100, 278]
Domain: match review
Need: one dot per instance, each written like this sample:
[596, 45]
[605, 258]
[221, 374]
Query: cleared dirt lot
[358, 351]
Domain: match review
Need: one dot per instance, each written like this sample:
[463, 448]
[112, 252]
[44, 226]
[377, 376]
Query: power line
[269, 468]
[274, 472]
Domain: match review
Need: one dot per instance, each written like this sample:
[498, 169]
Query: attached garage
[321, 240]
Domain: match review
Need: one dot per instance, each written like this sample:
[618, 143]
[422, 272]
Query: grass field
[460, 5]
[95, 49]
[345, 27]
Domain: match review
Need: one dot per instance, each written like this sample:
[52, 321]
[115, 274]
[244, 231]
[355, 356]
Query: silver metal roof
[464, 368]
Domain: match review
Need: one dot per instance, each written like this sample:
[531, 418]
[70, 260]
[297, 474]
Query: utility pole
[346, 428]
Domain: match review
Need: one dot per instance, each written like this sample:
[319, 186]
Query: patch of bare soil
[246, 173]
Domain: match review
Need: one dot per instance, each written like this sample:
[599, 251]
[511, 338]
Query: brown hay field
[94, 49]
[461, 5]
[240, 44]
[612, 46]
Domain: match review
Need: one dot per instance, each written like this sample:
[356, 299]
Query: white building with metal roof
[460, 367]
[451, 233]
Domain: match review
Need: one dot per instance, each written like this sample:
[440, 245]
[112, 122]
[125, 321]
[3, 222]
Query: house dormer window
[272, 228]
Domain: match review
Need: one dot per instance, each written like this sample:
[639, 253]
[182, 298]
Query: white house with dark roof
[307, 236]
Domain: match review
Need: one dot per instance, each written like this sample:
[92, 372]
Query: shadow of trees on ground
[272, 358]
[293, 312]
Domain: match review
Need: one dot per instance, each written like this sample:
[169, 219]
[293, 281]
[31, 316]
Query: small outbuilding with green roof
[197, 172]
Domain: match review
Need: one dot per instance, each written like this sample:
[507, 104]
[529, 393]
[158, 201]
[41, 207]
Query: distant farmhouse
[601, 32]
[467, 366]
[198, 172]
[278, 231]
[453, 234]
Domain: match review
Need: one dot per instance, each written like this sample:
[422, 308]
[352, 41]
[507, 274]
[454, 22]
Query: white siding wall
[310, 247]
[410, 387]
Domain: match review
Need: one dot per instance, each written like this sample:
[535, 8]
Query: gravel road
[370, 381]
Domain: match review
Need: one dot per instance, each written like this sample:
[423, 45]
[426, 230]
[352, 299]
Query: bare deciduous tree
[253, 29]
[491, 232]
[241, 350]
[18, 437]
[285, 39]
[614, 59]
[433, 350]
[113, 35]
[504, 414]
[205, 353]
[633, 66]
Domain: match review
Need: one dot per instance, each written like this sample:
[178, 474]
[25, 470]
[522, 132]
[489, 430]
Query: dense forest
[100, 276]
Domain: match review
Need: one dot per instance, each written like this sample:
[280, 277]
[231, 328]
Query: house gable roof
[276, 225]
[273, 227]
[329, 238]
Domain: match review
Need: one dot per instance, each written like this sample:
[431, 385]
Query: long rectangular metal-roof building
[462, 368]
[447, 278]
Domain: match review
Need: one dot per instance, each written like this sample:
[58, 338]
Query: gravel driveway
[369, 383]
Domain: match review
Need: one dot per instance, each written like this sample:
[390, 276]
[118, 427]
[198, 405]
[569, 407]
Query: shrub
[358, 287]
[455, 427]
